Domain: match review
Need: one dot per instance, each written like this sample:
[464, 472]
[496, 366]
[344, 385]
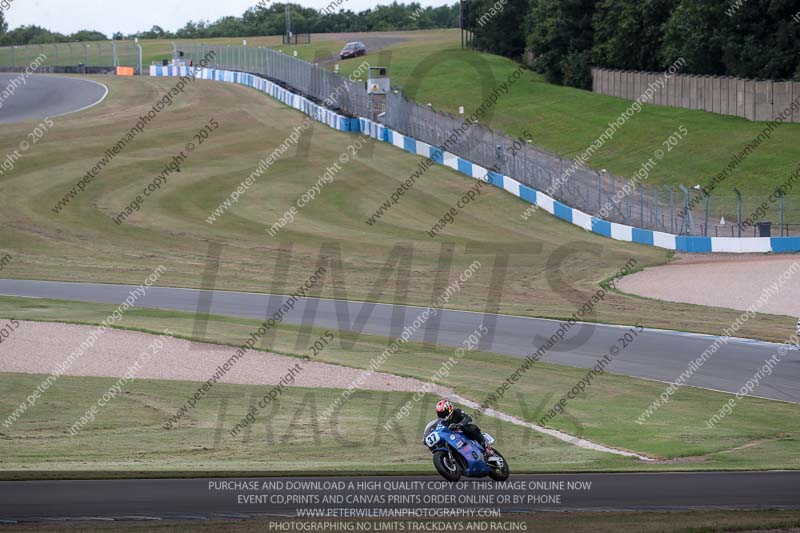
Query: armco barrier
[608, 229]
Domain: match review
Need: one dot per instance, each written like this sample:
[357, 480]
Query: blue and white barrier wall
[612, 230]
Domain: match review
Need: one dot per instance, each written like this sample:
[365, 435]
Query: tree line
[564, 38]
[271, 20]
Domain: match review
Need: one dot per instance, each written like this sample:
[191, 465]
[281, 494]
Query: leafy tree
[692, 32]
[560, 35]
[757, 40]
[628, 33]
[31, 35]
[156, 32]
[444, 17]
[761, 40]
[576, 69]
[271, 20]
[88, 35]
[497, 26]
[3, 23]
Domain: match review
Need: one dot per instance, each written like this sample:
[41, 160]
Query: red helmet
[444, 409]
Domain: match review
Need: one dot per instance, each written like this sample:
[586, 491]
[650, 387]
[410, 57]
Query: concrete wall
[751, 99]
[723, 96]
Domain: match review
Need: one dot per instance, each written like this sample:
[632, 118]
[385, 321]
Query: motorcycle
[454, 455]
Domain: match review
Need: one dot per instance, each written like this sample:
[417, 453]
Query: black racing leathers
[463, 421]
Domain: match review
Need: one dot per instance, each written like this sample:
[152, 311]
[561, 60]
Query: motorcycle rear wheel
[448, 468]
[502, 473]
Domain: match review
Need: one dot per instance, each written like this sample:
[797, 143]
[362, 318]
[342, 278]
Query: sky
[109, 16]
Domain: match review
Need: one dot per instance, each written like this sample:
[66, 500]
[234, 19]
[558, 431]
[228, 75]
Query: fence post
[599, 193]
[671, 210]
[504, 160]
[705, 226]
[614, 191]
[641, 207]
[657, 221]
[686, 225]
[780, 208]
[525, 169]
[514, 163]
[630, 209]
[739, 210]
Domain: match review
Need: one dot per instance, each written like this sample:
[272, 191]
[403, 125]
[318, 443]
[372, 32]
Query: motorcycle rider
[458, 419]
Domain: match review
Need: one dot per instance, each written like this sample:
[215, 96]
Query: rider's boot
[488, 452]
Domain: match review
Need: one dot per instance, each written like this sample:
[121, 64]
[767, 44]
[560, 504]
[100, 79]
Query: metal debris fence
[93, 54]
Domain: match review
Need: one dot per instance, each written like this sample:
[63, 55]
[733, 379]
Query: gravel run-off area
[38, 348]
[735, 282]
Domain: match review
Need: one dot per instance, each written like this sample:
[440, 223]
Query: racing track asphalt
[206, 498]
[654, 354]
[42, 96]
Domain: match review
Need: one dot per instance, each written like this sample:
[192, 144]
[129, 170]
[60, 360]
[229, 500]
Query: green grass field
[760, 434]
[545, 267]
[127, 438]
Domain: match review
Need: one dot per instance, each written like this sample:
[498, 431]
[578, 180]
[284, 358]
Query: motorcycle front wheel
[502, 472]
[447, 466]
